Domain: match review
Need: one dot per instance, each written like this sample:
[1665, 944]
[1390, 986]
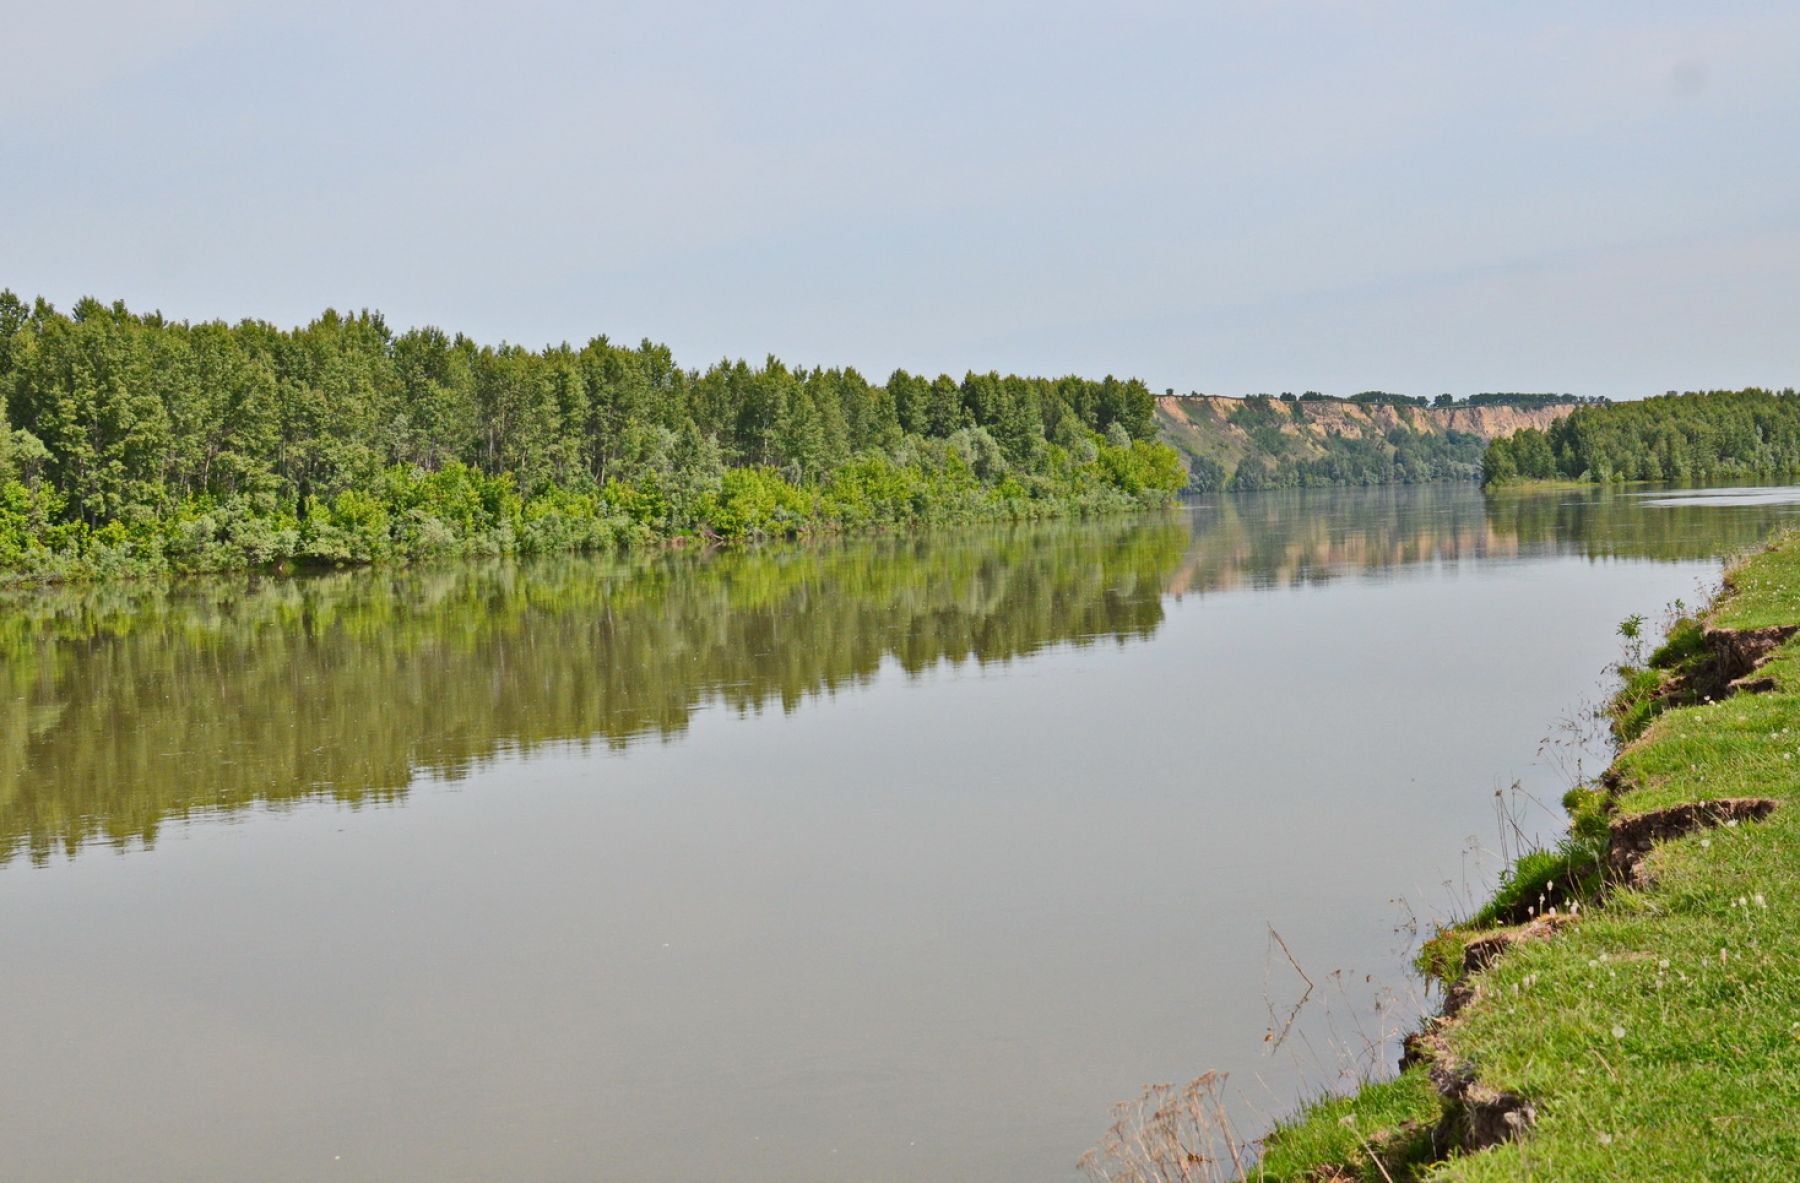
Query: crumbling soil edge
[1478, 1115]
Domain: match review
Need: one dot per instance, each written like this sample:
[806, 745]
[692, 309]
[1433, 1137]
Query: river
[894, 858]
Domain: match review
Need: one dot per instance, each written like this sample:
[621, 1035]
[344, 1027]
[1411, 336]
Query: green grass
[1764, 590]
[1393, 1119]
[1659, 1037]
[1680, 673]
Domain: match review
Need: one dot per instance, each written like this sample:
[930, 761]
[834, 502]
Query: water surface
[895, 858]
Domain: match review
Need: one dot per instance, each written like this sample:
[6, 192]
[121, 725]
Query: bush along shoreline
[132, 445]
[1627, 1006]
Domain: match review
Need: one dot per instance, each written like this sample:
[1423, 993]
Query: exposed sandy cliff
[1201, 425]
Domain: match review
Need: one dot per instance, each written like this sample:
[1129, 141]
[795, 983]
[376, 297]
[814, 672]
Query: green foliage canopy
[1714, 435]
[130, 442]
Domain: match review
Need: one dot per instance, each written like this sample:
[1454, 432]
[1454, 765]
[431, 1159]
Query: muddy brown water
[883, 859]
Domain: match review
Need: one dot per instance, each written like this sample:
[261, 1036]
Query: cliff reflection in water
[126, 707]
[1295, 537]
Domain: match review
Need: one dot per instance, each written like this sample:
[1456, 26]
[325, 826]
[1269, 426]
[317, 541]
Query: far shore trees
[132, 442]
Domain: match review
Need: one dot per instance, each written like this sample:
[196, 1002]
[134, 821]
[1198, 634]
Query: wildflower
[1760, 901]
[1618, 1032]
[1604, 1138]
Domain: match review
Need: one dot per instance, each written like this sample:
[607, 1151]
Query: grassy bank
[1650, 1027]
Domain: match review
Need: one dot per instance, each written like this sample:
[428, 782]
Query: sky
[1601, 198]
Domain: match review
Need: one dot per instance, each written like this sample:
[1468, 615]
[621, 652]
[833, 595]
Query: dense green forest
[135, 443]
[1529, 401]
[1711, 435]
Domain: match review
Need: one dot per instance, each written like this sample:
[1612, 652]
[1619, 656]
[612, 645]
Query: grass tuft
[1391, 1122]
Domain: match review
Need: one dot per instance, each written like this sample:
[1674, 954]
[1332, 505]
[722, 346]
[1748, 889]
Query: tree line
[1442, 401]
[130, 441]
[1746, 434]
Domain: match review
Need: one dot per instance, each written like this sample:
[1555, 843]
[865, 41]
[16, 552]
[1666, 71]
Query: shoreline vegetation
[1705, 436]
[1625, 1007]
[131, 445]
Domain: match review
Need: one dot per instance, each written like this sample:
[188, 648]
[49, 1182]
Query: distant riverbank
[410, 515]
[1703, 436]
[132, 444]
[1623, 1008]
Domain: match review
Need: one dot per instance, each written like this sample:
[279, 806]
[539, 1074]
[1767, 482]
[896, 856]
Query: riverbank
[132, 444]
[1712, 436]
[408, 514]
[1626, 1007]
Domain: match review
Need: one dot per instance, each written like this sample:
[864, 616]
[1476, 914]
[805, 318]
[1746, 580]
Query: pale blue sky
[1595, 197]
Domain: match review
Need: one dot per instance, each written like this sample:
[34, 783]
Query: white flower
[1618, 1032]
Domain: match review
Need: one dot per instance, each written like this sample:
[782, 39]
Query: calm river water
[890, 859]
